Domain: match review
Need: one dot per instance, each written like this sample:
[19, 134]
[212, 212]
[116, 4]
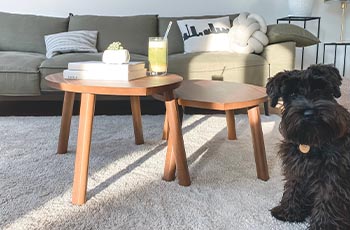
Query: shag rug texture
[125, 189]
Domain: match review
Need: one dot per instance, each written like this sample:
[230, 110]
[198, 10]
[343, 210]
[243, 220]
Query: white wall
[270, 9]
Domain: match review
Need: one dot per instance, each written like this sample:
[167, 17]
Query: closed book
[104, 75]
[101, 66]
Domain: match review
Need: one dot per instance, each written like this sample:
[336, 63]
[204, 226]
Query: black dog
[315, 151]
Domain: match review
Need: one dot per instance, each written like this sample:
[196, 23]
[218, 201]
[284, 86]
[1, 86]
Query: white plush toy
[248, 34]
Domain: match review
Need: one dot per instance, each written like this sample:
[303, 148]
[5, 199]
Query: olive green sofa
[23, 65]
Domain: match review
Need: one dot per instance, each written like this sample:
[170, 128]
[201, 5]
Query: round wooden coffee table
[141, 87]
[228, 96]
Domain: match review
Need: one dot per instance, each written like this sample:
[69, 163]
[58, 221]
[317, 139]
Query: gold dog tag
[304, 148]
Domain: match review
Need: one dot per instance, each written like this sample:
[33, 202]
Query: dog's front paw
[284, 214]
[279, 213]
[329, 223]
[330, 226]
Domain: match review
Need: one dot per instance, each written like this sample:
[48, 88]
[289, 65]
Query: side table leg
[231, 126]
[258, 143]
[66, 118]
[136, 118]
[175, 143]
[165, 134]
[170, 165]
[87, 109]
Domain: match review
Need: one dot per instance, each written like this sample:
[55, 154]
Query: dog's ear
[274, 87]
[335, 79]
[329, 73]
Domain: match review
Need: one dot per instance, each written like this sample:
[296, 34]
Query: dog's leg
[295, 205]
[331, 207]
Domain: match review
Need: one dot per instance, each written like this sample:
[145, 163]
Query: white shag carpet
[125, 190]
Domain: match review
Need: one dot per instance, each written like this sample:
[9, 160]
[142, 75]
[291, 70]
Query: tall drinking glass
[158, 56]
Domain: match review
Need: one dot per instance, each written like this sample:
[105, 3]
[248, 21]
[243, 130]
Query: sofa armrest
[280, 56]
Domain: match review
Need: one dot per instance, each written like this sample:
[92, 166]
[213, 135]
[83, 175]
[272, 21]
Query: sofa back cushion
[175, 40]
[132, 31]
[20, 32]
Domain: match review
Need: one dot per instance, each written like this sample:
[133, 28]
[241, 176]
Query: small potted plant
[116, 54]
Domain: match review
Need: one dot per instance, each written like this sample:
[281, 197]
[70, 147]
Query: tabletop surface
[219, 94]
[139, 87]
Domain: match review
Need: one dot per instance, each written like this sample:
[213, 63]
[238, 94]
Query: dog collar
[304, 148]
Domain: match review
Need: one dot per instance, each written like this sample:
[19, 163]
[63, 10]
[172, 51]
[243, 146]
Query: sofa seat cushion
[59, 63]
[228, 66]
[19, 73]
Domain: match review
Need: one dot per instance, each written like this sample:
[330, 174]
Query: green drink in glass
[158, 56]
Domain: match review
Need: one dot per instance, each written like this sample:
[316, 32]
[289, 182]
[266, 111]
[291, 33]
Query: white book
[104, 75]
[101, 66]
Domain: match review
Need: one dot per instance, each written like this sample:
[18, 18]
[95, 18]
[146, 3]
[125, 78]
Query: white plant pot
[116, 56]
[300, 7]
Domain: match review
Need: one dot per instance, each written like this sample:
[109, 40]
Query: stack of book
[98, 70]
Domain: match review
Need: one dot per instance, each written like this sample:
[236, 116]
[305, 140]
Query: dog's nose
[308, 112]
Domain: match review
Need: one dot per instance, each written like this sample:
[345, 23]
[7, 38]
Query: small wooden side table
[136, 88]
[228, 96]
[336, 44]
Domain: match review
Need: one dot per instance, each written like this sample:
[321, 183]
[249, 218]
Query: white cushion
[260, 36]
[73, 41]
[210, 34]
[248, 34]
[244, 32]
[260, 20]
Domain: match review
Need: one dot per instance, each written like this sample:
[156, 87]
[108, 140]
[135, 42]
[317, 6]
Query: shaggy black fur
[317, 183]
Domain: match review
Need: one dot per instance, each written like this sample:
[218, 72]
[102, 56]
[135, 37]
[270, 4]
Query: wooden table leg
[258, 143]
[176, 148]
[66, 118]
[165, 134]
[87, 108]
[170, 165]
[231, 126]
[136, 118]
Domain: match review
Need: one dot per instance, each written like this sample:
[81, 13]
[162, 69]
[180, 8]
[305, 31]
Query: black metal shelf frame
[336, 44]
